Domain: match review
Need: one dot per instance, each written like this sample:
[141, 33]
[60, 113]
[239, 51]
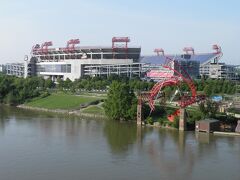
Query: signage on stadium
[158, 74]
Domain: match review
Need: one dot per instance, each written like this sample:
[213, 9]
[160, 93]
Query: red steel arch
[176, 79]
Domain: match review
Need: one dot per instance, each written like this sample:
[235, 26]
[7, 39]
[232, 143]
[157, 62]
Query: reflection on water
[35, 145]
[120, 136]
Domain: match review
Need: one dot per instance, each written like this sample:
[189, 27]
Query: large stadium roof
[202, 58]
[119, 53]
[89, 49]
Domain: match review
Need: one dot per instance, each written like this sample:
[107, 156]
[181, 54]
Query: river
[42, 146]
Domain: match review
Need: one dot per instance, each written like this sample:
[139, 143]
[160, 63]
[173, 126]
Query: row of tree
[216, 86]
[14, 90]
[209, 86]
[103, 83]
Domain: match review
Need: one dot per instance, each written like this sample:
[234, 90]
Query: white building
[2, 68]
[15, 69]
[223, 71]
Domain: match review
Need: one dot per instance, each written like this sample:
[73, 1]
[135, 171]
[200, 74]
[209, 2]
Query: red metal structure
[35, 48]
[43, 49]
[120, 43]
[217, 48]
[71, 44]
[175, 80]
[158, 51]
[189, 49]
[218, 52]
[45, 45]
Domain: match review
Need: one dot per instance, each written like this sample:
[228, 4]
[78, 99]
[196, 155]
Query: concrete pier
[139, 111]
[237, 130]
[182, 120]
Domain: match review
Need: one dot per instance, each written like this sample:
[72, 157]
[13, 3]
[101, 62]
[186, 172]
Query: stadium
[195, 64]
[74, 61]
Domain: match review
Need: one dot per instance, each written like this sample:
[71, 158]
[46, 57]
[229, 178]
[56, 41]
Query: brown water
[37, 146]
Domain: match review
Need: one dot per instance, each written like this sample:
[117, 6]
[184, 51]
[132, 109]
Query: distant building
[2, 68]
[223, 71]
[15, 69]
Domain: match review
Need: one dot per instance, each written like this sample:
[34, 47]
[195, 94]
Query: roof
[202, 58]
[89, 49]
[209, 120]
[96, 51]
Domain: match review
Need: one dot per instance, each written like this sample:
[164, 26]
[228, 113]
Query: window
[55, 68]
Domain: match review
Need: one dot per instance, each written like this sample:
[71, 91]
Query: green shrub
[149, 120]
[161, 121]
[175, 123]
[45, 94]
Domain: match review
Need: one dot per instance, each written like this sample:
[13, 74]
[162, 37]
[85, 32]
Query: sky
[151, 24]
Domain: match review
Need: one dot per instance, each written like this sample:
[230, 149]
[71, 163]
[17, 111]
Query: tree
[49, 83]
[209, 108]
[67, 84]
[121, 103]
[208, 90]
[176, 122]
[60, 83]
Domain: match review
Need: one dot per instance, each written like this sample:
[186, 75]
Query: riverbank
[226, 133]
[62, 111]
[64, 103]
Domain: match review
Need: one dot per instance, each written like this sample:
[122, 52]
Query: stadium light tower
[218, 52]
[71, 44]
[35, 48]
[120, 42]
[158, 51]
[189, 49]
[217, 48]
[45, 45]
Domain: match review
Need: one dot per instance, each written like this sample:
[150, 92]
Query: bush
[161, 121]
[149, 120]
[233, 110]
[194, 116]
[175, 123]
[45, 94]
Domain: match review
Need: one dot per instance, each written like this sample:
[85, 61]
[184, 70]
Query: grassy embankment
[93, 109]
[63, 101]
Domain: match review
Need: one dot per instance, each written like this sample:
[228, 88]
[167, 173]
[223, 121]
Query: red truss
[70, 45]
[175, 80]
[120, 43]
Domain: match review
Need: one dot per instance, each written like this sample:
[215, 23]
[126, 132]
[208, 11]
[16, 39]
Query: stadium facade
[197, 65]
[74, 62]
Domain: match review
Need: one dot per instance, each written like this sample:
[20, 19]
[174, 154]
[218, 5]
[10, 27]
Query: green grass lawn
[93, 110]
[61, 101]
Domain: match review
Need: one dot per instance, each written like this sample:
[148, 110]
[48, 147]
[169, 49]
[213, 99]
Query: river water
[40, 146]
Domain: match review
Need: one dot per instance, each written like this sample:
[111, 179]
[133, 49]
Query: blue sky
[170, 25]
